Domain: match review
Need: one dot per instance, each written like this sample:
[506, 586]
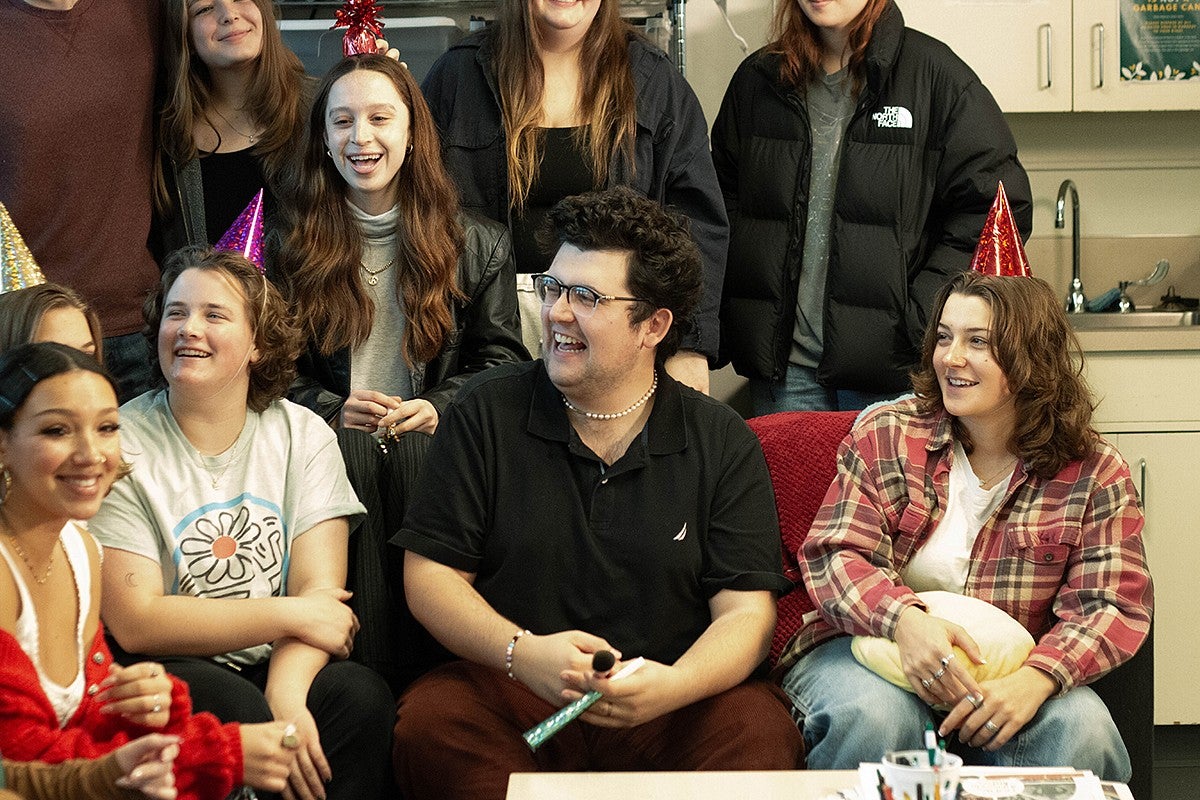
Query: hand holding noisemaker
[536, 736]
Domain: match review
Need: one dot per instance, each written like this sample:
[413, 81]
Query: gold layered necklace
[33, 571]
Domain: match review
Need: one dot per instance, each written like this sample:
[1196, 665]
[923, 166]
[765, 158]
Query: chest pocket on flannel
[1043, 544]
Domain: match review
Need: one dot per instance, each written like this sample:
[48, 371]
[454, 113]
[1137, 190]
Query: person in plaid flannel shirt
[989, 482]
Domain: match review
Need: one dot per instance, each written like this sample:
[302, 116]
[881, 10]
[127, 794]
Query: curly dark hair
[1034, 344]
[276, 335]
[664, 262]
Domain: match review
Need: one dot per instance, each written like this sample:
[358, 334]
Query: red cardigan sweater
[209, 764]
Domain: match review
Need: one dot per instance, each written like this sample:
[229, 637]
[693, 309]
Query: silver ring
[937, 675]
[926, 682]
[991, 726]
[947, 659]
[157, 705]
[973, 700]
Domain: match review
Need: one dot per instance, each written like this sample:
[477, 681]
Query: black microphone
[603, 660]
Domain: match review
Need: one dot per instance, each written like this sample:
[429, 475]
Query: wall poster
[1160, 40]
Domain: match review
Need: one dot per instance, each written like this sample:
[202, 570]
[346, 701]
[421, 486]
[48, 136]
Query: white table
[791, 785]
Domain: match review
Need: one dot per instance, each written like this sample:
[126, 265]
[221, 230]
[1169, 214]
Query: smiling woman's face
[225, 33]
[367, 133]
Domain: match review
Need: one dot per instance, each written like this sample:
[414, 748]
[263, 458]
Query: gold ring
[290, 740]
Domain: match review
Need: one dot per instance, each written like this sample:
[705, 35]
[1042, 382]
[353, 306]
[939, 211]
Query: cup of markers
[909, 775]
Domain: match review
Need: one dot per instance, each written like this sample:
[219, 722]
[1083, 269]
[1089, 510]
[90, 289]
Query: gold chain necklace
[250, 137]
[16, 543]
[235, 453]
[983, 482]
[372, 275]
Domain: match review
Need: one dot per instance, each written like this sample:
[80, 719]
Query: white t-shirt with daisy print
[223, 526]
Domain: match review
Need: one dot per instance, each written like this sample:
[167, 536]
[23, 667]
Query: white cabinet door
[1165, 469]
[1098, 82]
[1020, 49]
[1048, 55]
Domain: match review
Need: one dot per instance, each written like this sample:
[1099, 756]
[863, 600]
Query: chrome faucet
[1076, 301]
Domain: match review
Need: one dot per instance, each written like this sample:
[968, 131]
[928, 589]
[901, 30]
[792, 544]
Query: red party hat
[363, 26]
[245, 235]
[1000, 251]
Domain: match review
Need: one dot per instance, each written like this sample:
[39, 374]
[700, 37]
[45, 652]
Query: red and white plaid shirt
[1063, 556]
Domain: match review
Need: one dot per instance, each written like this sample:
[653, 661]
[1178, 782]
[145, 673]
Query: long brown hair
[1034, 344]
[276, 96]
[797, 40]
[606, 97]
[322, 247]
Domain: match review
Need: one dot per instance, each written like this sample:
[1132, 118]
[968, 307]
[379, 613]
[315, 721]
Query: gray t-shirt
[830, 104]
[223, 526]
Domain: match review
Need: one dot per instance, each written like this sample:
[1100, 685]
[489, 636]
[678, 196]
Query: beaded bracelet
[508, 652]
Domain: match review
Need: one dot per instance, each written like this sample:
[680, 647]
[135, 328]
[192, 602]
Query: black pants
[390, 641]
[352, 707]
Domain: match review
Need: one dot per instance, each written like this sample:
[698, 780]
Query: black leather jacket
[487, 331]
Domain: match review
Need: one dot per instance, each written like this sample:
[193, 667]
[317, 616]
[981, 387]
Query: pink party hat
[18, 269]
[363, 26]
[1000, 251]
[245, 235]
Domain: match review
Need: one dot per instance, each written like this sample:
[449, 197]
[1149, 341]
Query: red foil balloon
[361, 19]
[1000, 251]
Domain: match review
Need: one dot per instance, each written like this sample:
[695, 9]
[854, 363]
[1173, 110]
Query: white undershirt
[944, 561]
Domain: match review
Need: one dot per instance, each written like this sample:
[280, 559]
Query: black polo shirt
[557, 541]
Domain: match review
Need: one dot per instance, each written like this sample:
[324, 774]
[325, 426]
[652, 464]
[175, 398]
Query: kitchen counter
[1140, 340]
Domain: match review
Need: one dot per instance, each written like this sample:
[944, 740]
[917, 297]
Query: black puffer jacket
[920, 162]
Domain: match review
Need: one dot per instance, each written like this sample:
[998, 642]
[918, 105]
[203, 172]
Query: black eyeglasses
[582, 299]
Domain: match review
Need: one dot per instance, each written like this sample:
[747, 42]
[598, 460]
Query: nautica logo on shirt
[893, 117]
[679, 537]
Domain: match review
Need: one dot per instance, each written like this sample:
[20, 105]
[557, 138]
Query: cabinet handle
[1048, 42]
[1098, 39]
[1142, 483]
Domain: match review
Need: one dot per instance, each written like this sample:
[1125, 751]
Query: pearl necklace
[372, 278]
[617, 415]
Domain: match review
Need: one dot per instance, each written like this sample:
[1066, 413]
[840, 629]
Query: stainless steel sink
[1134, 319]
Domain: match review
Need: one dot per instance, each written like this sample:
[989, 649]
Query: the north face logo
[893, 117]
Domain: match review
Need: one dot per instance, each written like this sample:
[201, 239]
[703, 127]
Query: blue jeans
[850, 715]
[128, 360]
[799, 391]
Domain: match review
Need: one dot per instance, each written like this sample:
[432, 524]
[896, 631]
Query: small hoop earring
[328, 153]
[408, 149]
[7, 481]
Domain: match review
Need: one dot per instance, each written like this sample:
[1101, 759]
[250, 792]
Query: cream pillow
[1005, 644]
